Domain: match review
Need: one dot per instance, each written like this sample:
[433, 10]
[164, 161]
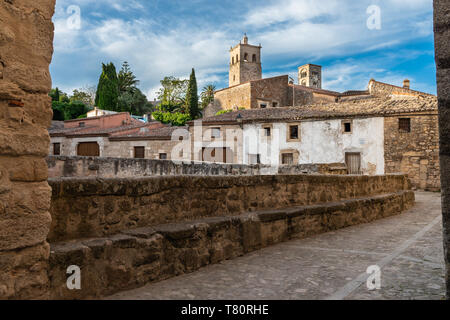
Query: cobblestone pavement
[408, 248]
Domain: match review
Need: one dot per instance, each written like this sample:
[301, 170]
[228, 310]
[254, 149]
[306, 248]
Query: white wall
[321, 142]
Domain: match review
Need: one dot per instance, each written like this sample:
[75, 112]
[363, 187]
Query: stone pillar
[442, 42]
[26, 47]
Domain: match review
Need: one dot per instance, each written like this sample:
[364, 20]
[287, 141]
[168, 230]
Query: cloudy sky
[168, 37]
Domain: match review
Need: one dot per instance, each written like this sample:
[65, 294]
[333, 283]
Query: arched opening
[246, 56]
[237, 58]
[254, 58]
[232, 60]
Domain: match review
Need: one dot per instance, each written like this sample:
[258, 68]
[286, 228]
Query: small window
[254, 158]
[347, 127]
[404, 125]
[275, 104]
[232, 60]
[215, 133]
[267, 132]
[237, 58]
[263, 105]
[293, 132]
[254, 58]
[234, 78]
[57, 149]
[139, 152]
[163, 156]
[246, 56]
[287, 158]
[81, 124]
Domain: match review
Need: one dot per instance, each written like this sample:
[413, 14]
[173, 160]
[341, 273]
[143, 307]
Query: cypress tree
[107, 94]
[192, 97]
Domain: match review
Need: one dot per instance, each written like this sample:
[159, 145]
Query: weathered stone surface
[108, 206]
[26, 36]
[141, 255]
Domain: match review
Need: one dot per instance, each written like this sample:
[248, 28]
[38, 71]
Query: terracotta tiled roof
[94, 130]
[360, 107]
[163, 133]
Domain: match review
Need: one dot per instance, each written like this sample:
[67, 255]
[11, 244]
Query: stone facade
[26, 36]
[415, 153]
[310, 75]
[442, 45]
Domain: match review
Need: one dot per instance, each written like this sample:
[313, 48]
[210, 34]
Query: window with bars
[404, 124]
[287, 158]
[139, 152]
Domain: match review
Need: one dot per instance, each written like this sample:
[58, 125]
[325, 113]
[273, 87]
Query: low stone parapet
[82, 208]
[71, 167]
[136, 257]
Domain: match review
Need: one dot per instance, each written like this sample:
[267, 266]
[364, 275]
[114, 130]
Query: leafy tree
[134, 102]
[68, 110]
[227, 111]
[85, 95]
[54, 94]
[127, 80]
[192, 97]
[172, 94]
[207, 95]
[108, 88]
[175, 119]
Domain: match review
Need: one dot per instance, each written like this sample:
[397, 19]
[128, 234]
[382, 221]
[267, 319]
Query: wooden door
[353, 162]
[88, 149]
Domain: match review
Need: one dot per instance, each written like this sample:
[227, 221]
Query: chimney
[406, 84]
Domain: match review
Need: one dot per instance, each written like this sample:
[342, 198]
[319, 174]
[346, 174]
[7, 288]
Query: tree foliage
[68, 110]
[175, 118]
[192, 97]
[172, 94]
[134, 102]
[127, 79]
[207, 95]
[108, 88]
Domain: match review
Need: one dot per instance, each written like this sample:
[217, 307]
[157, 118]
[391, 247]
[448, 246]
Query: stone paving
[408, 248]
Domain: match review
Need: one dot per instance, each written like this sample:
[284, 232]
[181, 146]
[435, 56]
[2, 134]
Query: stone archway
[26, 46]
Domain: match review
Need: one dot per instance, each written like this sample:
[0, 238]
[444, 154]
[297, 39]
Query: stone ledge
[136, 257]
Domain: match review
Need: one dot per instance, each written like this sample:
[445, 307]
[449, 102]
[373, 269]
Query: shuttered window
[56, 149]
[88, 149]
[287, 158]
[353, 162]
[139, 152]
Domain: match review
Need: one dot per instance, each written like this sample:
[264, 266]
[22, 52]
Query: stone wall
[97, 207]
[26, 36]
[269, 91]
[383, 89]
[415, 153]
[60, 166]
[137, 257]
[442, 45]
[229, 98]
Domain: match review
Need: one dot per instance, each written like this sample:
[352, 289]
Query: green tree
[207, 95]
[68, 110]
[85, 95]
[54, 94]
[134, 102]
[127, 80]
[192, 97]
[172, 94]
[174, 119]
[108, 88]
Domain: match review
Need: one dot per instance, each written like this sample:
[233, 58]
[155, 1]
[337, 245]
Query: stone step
[136, 257]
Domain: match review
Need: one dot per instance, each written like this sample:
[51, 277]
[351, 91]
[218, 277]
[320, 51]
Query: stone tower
[245, 63]
[310, 75]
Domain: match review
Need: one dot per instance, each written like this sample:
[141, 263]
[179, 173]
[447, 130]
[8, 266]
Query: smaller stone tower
[310, 75]
[245, 63]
